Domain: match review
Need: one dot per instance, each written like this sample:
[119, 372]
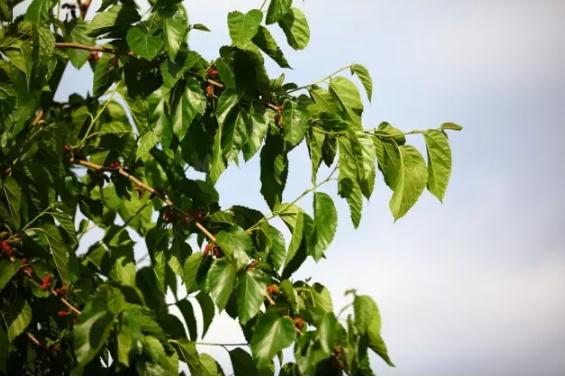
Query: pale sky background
[476, 285]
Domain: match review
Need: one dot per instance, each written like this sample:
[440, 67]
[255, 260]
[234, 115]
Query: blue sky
[476, 285]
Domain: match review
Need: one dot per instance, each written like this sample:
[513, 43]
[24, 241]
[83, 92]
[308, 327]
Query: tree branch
[144, 186]
[96, 48]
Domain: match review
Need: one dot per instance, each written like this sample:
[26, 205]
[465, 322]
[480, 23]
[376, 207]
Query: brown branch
[144, 186]
[34, 340]
[38, 117]
[79, 46]
[66, 303]
[215, 83]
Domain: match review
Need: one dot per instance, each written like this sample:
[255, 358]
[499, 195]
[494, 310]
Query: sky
[475, 285]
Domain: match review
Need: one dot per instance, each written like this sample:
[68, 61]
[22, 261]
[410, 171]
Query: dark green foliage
[119, 160]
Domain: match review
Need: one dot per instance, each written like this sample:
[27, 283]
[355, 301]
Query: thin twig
[144, 186]
[66, 303]
[275, 214]
[33, 339]
[95, 48]
[221, 344]
[321, 80]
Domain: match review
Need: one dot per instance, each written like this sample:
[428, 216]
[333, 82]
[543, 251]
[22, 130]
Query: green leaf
[294, 123]
[200, 27]
[8, 270]
[365, 78]
[187, 311]
[21, 318]
[265, 41]
[325, 220]
[272, 334]
[78, 34]
[315, 141]
[368, 321]
[258, 126]
[243, 27]
[116, 20]
[274, 170]
[145, 43]
[451, 126]
[220, 282]
[38, 11]
[388, 156]
[207, 307]
[251, 292]
[275, 245]
[175, 28]
[105, 73]
[191, 266]
[191, 103]
[236, 245]
[295, 26]
[95, 323]
[439, 162]
[13, 196]
[348, 96]
[388, 132]
[242, 363]
[321, 298]
[411, 181]
[365, 155]
[277, 9]
[348, 186]
[296, 240]
[326, 332]
[63, 256]
[189, 354]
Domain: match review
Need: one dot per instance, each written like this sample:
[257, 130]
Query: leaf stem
[275, 214]
[321, 80]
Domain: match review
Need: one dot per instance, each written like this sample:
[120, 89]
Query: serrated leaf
[251, 291]
[191, 103]
[326, 332]
[187, 312]
[294, 123]
[274, 170]
[95, 323]
[439, 162]
[272, 334]
[38, 11]
[295, 26]
[8, 270]
[388, 132]
[265, 41]
[368, 321]
[365, 78]
[189, 354]
[277, 9]
[410, 183]
[200, 27]
[325, 220]
[105, 73]
[348, 186]
[175, 28]
[116, 20]
[145, 43]
[207, 308]
[191, 266]
[388, 156]
[236, 245]
[21, 319]
[242, 363]
[365, 155]
[315, 141]
[258, 125]
[451, 126]
[243, 27]
[348, 96]
[276, 246]
[78, 34]
[13, 196]
[220, 282]
[63, 256]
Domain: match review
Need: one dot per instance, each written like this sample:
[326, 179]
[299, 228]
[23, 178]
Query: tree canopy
[141, 154]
